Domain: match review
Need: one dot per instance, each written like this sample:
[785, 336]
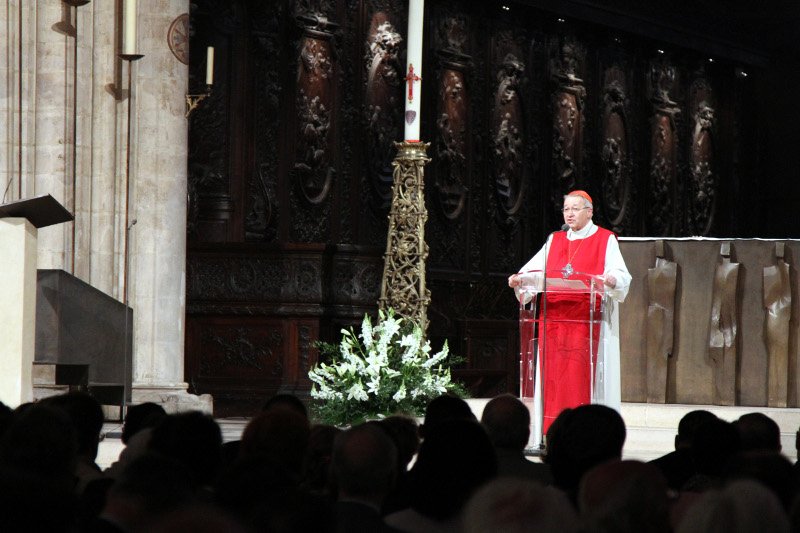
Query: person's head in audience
[317, 462]
[30, 502]
[740, 507]
[197, 519]
[193, 439]
[687, 427]
[757, 431]
[285, 400]
[42, 441]
[507, 421]
[445, 407]
[455, 459]
[87, 418]
[139, 417]
[364, 464]
[581, 438]
[264, 495]
[625, 496]
[149, 487]
[6, 417]
[770, 468]
[279, 434]
[404, 431]
[715, 443]
[519, 505]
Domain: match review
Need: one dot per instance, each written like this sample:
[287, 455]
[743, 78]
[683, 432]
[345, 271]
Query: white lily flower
[401, 393]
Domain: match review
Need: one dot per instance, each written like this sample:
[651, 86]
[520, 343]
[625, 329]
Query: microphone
[564, 227]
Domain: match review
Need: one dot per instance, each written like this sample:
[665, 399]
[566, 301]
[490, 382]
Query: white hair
[519, 506]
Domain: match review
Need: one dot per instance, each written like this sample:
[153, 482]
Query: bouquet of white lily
[383, 370]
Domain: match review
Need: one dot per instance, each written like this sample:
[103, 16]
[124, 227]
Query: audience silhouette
[449, 474]
[508, 421]
[678, 466]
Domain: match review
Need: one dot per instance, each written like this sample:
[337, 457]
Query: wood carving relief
[778, 305]
[508, 140]
[214, 281]
[451, 119]
[723, 340]
[703, 180]
[567, 107]
[615, 150]
[663, 150]
[262, 211]
[312, 169]
[383, 105]
[239, 349]
[661, 287]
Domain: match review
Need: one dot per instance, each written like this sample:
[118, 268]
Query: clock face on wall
[178, 38]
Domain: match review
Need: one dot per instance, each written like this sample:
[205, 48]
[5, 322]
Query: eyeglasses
[573, 209]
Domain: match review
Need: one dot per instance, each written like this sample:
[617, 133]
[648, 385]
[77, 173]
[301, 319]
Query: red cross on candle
[411, 78]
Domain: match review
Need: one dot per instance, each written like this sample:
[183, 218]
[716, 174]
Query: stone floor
[111, 445]
[651, 428]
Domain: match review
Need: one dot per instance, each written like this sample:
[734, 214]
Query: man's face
[576, 214]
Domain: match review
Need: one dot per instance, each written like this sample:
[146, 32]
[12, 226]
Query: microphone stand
[543, 332]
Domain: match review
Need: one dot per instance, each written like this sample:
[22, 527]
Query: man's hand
[611, 281]
[513, 281]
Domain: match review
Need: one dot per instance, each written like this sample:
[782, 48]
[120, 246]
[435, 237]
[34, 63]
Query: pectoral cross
[411, 78]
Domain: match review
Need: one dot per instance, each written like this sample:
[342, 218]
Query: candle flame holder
[193, 100]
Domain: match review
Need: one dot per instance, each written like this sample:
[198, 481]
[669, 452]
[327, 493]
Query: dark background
[290, 159]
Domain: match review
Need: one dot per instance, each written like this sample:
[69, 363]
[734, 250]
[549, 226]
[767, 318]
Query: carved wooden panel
[492, 361]
[663, 209]
[240, 358]
[261, 204]
[568, 100]
[616, 178]
[703, 171]
[313, 171]
[448, 175]
[383, 65]
[511, 152]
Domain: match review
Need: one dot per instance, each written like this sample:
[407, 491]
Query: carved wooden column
[724, 328]
[662, 204]
[567, 103]
[778, 303]
[314, 168]
[452, 127]
[615, 153]
[661, 283]
[702, 169]
[403, 283]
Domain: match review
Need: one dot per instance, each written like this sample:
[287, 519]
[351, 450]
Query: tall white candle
[129, 25]
[413, 94]
[210, 65]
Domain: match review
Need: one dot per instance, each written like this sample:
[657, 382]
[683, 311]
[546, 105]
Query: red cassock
[565, 354]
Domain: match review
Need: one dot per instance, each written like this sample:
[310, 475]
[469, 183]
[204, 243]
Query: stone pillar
[157, 275]
[101, 144]
[17, 63]
[53, 133]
